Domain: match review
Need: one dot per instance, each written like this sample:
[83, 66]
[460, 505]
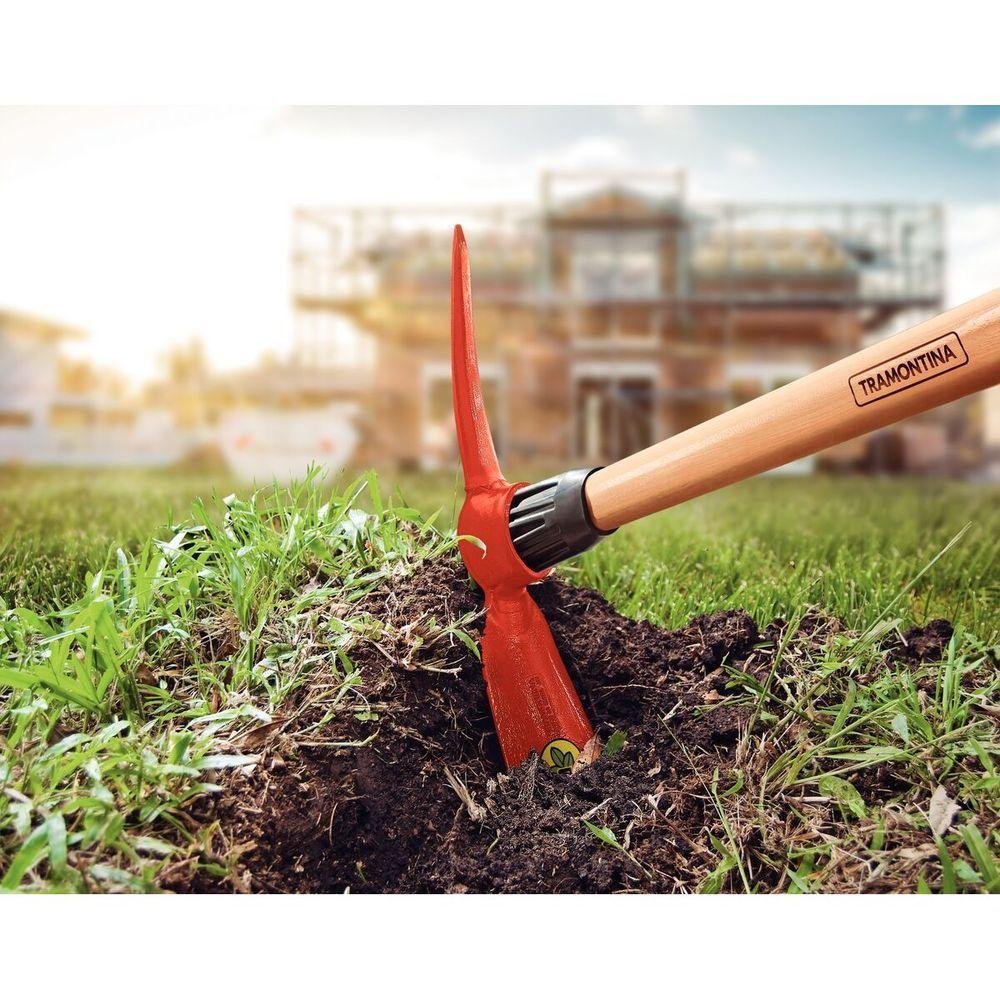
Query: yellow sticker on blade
[560, 755]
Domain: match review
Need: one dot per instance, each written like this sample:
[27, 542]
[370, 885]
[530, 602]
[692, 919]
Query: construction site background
[612, 313]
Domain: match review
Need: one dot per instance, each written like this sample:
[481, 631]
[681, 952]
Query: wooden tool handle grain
[935, 362]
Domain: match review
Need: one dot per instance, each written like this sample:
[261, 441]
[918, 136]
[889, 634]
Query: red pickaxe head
[535, 707]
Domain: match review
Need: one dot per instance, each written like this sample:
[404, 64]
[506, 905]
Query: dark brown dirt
[424, 804]
[920, 645]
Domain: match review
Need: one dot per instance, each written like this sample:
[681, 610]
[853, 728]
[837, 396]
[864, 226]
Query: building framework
[611, 313]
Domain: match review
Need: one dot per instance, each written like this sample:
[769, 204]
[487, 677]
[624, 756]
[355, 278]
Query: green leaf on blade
[616, 741]
[153, 845]
[980, 852]
[966, 872]
[845, 794]
[56, 828]
[17, 679]
[32, 851]
[948, 870]
[603, 833]
[900, 725]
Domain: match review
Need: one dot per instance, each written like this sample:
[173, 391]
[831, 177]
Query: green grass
[847, 546]
[830, 721]
[771, 545]
[56, 526]
[135, 659]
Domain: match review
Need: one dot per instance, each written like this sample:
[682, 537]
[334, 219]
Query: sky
[147, 226]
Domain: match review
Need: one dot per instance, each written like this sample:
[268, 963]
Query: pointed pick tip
[459, 259]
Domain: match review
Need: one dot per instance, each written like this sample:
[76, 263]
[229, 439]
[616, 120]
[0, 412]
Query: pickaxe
[522, 530]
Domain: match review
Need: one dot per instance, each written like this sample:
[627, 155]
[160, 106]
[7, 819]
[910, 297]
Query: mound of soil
[424, 804]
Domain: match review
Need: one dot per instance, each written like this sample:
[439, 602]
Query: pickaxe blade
[534, 705]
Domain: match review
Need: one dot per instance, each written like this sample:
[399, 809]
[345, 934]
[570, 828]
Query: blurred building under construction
[615, 313]
[611, 314]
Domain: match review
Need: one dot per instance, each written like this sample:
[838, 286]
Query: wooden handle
[935, 362]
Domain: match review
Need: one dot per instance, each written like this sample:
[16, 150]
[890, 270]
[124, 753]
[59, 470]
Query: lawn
[772, 546]
[147, 640]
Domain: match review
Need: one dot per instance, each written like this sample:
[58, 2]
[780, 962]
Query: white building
[266, 422]
[29, 382]
[42, 422]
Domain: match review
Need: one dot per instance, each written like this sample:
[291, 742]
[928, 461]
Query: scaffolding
[873, 256]
[685, 308]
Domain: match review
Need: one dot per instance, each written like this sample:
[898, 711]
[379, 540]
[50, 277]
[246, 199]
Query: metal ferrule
[549, 521]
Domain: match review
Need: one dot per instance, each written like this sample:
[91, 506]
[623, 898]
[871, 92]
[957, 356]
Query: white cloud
[592, 153]
[743, 157]
[987, 137]
[665, 114]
